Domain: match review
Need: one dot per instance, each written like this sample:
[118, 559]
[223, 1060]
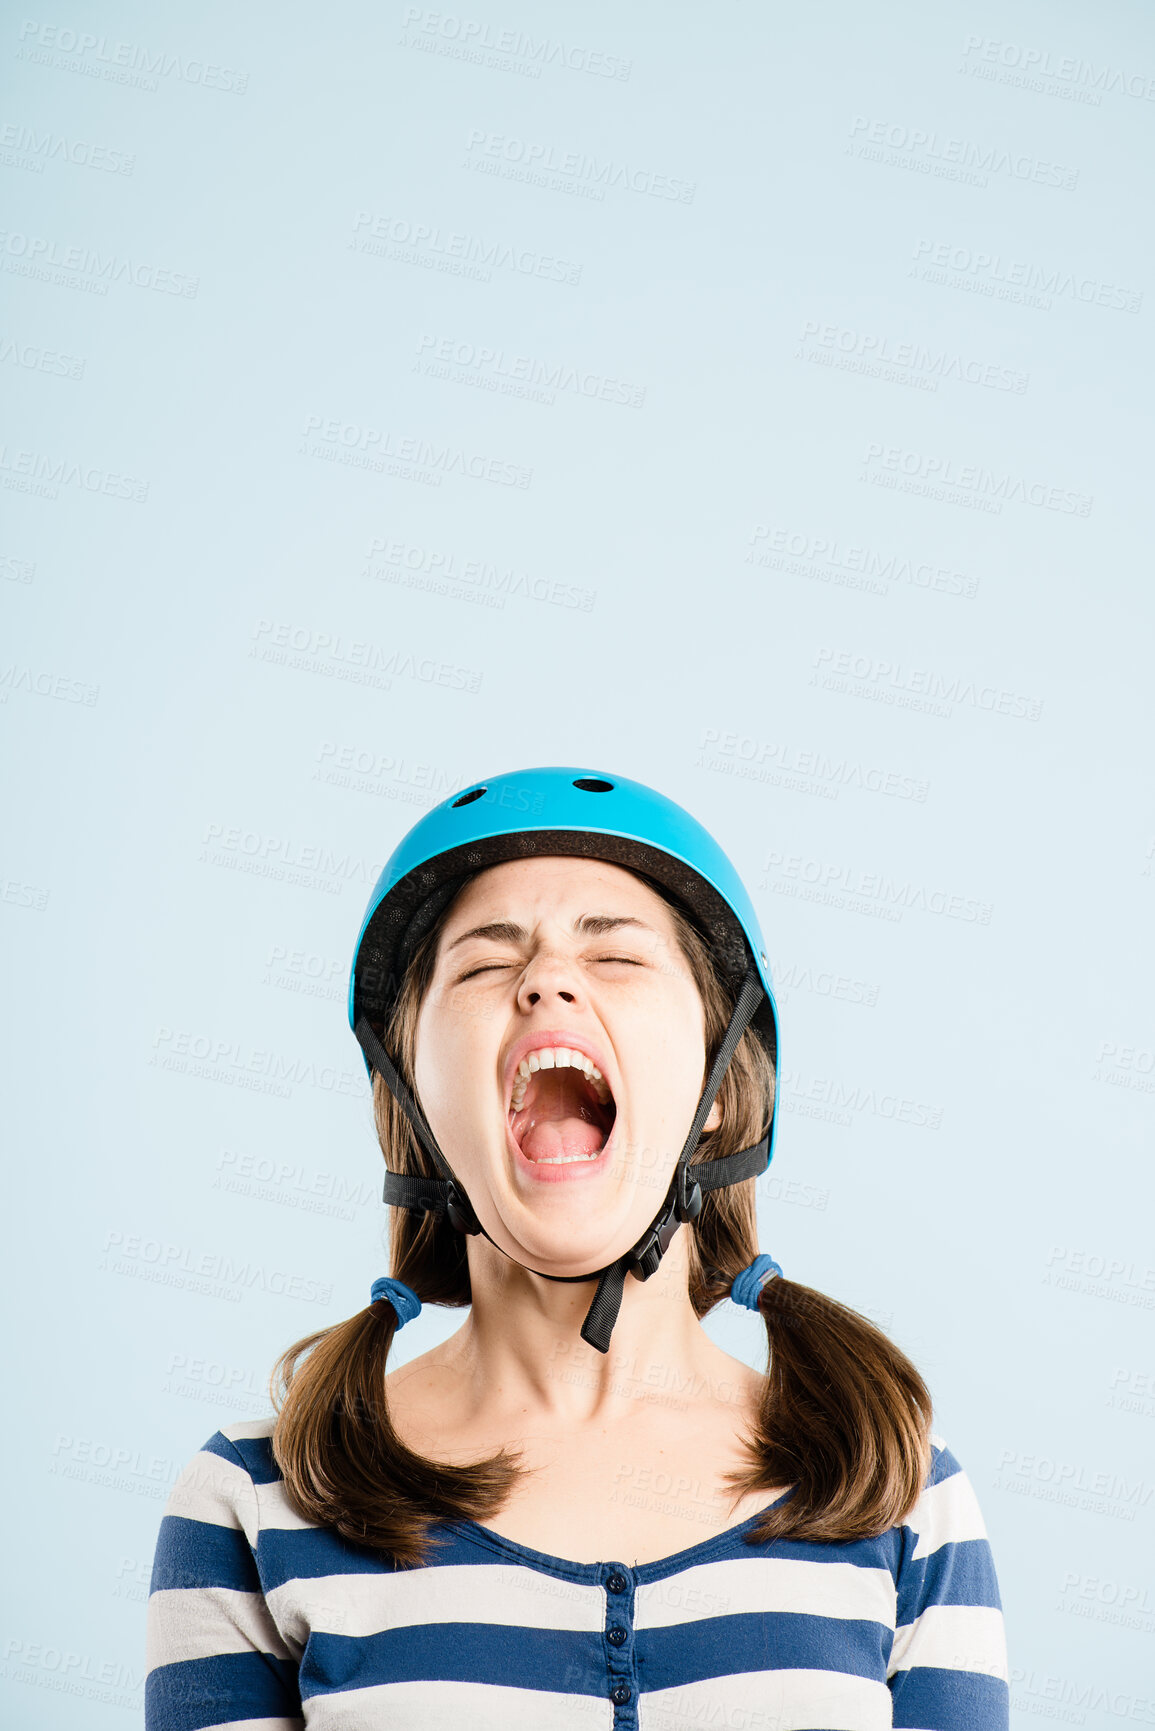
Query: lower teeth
[568, 1159]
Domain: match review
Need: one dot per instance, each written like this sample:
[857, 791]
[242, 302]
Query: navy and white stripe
[261, 1621]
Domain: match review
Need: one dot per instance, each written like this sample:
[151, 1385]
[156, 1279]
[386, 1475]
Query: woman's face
[544, 957]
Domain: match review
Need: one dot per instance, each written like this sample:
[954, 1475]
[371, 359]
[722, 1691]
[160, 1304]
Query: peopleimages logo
[803, 770]
[42, 147]
[930, 152]
[991, 273]
[1036, 64]
[873, 354]
[101, 57]
[888, 681]
[446, 572]
[498, 369]
[235, 843]
[476, 40]
[36, 472]
[988, 485]
[832, 560]
[170, 1262]
[435, 248]
[40, 360]
[40, 1664]
[82, 267]
[231, 1060]
[497, 152]
[834, 884]
[40, 682]
[379, 448]
[1072, 1482]
[354, 660]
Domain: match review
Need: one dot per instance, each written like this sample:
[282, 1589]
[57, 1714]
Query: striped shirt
[260, 1620]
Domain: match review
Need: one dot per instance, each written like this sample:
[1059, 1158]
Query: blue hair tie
[748, 1285]
[403, 1298]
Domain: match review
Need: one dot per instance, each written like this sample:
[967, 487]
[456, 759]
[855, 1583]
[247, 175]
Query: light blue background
[186, 860]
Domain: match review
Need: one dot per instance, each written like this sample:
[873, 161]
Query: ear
[714, 1118]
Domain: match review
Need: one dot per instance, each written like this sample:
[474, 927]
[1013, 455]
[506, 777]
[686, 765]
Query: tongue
[551, 1138]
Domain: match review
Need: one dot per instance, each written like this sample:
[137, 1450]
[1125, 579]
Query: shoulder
[247, 1444]
[949, 1656]
[249, 1441]
[214, 1649]
[219, 1485]
[943, 1554]
[947, 1510]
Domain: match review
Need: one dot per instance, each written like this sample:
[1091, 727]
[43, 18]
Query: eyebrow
[586, 925]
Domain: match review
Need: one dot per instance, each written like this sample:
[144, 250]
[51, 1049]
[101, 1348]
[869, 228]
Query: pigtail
[343, 1463]
[845, 1421]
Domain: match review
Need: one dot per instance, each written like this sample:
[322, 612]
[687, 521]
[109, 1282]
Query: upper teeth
[555, 1058]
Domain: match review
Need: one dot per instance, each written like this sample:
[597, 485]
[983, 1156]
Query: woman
[577, 1511]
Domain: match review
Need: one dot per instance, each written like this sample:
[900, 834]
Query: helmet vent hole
[589, 784]
[468, 798]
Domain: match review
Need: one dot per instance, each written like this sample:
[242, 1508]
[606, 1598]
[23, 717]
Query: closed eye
[491, 967]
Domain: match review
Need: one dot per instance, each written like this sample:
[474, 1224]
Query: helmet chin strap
[445, 1195]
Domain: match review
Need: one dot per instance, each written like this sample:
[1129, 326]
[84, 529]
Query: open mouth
[562, 1111]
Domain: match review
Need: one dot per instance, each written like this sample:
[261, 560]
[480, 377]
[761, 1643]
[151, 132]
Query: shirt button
[617, 1583]
[620, 1694]
[616, 1636]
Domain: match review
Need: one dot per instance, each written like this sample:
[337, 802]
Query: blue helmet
[598, 815]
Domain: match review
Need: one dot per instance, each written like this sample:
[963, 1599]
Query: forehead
[557, 884]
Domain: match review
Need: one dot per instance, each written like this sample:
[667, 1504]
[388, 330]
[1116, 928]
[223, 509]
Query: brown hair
[844, 1417]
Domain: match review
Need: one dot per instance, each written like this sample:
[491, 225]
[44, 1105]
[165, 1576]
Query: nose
[547, 976]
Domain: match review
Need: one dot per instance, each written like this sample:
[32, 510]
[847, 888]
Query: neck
[522, 1343]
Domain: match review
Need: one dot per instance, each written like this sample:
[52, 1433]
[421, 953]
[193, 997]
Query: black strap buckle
[684, 1201]
[459, 1211]
[688, 1195]
[649, 1250]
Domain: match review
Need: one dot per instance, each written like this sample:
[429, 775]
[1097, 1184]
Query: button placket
[621, 1672]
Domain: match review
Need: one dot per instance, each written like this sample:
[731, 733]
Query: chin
[555, 1232]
